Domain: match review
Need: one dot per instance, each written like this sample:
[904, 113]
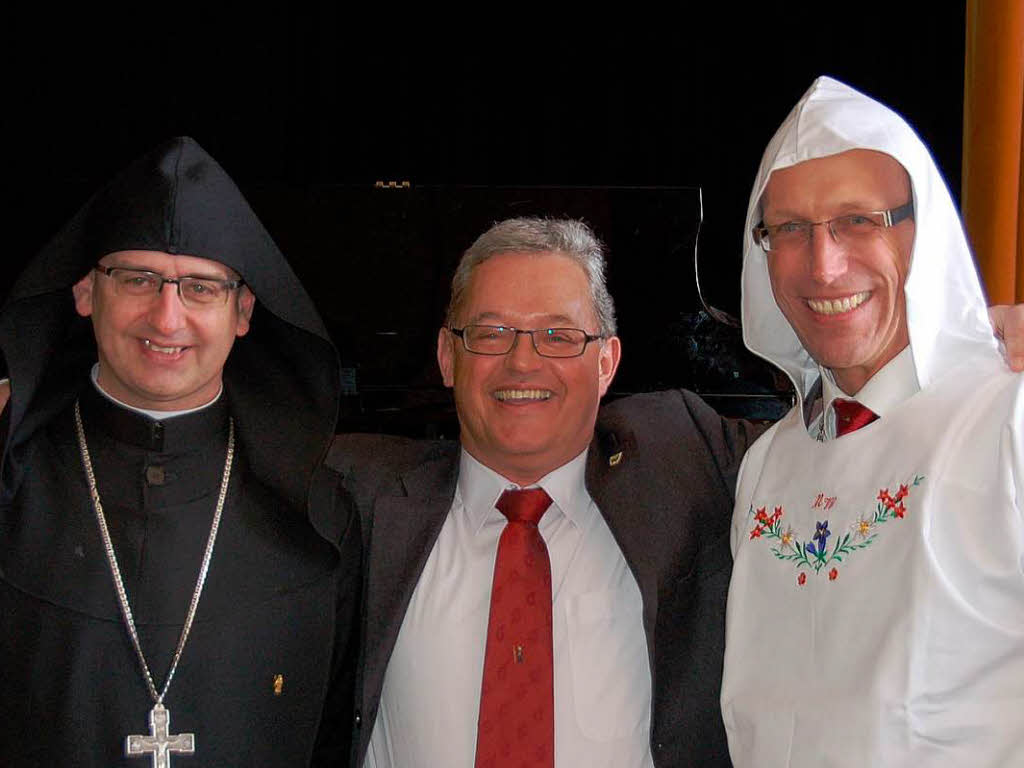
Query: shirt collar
[894, 382]
[155, 415]
[182, 434]
[479, 488]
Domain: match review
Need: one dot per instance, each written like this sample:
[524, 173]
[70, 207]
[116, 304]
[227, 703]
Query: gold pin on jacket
[278, 684]
[614, 459]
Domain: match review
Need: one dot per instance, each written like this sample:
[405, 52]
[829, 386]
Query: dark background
[619, 120]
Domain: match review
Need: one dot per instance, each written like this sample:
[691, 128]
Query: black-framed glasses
[548, 342]
[793, 236]
[193, 291]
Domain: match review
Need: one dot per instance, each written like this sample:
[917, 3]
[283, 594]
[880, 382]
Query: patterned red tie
[517, 702]
[851, 416]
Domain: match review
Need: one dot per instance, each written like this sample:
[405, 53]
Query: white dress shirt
[602, 681]
[894, 382]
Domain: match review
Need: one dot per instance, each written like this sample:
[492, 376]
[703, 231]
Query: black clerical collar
[161, 436]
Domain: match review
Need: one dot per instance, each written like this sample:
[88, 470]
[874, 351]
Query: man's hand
[1008, 322]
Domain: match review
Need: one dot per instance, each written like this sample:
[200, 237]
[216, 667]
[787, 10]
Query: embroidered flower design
[821, 534]
[815, 554]
[786, 538]
[862, 527]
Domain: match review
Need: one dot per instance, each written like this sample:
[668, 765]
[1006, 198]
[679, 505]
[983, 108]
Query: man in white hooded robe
[876, 608]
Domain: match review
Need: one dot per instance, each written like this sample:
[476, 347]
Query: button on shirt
[431, 696]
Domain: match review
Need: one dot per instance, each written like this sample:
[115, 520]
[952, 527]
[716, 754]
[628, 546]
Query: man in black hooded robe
[221, 344]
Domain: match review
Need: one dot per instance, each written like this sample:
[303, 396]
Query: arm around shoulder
[1008, 323]
[729, 439]
[683, 430]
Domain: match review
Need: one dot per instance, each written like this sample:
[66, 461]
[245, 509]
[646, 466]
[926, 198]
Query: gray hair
[567, 237]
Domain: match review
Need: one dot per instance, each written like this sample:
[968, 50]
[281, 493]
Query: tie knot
[851, 416]
[524, 506]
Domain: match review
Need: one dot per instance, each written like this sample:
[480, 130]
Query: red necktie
[517, 702]
[851, 416]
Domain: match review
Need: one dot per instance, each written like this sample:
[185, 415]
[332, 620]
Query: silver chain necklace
[159, 744]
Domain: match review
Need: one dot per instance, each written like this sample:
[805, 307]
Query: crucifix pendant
[159, 745]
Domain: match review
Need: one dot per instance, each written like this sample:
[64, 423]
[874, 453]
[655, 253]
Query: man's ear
[246, 304]
[82, 291]
[446, 356]
[608, 363]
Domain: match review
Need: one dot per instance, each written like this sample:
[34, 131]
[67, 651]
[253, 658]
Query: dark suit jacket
[662, 470]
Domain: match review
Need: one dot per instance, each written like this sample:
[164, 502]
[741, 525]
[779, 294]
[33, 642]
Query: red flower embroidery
[814, 555]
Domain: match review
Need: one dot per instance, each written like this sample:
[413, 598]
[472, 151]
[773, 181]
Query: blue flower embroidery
[815, 557]
[821, 534]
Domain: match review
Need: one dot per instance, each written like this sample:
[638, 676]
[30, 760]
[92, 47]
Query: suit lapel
[404, 530]
[615, 489]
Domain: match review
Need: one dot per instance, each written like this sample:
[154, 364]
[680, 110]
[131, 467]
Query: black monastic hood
[282, 379]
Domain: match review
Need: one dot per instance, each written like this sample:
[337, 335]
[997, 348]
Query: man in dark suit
[636, 531]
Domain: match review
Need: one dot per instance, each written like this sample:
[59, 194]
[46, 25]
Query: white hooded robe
[876, 609]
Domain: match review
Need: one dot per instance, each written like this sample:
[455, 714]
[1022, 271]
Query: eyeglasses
[793, 236]
[193, 291]
[548, 342]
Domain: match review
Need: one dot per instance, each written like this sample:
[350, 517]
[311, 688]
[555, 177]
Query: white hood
[946, 312]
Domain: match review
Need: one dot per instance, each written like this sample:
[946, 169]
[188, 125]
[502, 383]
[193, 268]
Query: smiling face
[154, 352]
[521, 414]
[845, 301]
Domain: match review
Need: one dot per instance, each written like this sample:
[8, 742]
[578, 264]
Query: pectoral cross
[159, 744]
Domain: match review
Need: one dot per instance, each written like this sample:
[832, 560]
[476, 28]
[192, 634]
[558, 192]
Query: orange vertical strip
[992, 192]
[1019, 292]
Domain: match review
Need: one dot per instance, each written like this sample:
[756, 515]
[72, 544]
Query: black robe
[282, 592]
[75, 689]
